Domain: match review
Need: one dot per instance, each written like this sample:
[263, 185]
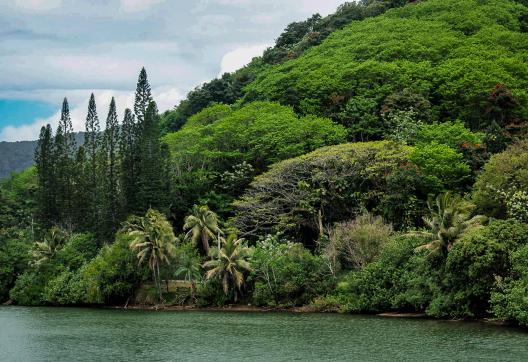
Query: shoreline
[243, 308]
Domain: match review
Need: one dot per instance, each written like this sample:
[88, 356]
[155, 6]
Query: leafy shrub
[288, 274]
[472, 267]
[14, 257]
[509, 299]
[505, 174]
[113, 275]
[398, 279]
[441, 164]
[356, 243]
[67, 288]
[449, 133]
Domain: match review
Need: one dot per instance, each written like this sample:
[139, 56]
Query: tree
[229, 262]
[143, 97]
[153, 240]
[110, 168]
[450, 217]
[91, 145]
[189, 267]
[128, 154]
[44, 161]
[151, 173]
[45, 250]
[64, 166]
[202, 225]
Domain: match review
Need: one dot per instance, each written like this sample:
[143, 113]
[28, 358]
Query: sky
[50, 49]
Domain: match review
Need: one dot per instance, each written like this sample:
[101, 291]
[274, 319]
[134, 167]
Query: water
[68, 334]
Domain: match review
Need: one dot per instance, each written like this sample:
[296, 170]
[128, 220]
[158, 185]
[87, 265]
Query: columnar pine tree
[44, 162]
[128, 157]
[143, 97]
[110, 165]
[91, 146]
[64, 162]
[82, 207]
[151, 176]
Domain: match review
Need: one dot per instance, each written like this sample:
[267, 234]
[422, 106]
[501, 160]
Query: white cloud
[131, 6]
[165, 97]
[236, 59]
[38, 5]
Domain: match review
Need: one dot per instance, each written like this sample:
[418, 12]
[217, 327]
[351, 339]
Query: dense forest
[373, 160]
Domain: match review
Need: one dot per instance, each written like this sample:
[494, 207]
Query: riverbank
[304, 309]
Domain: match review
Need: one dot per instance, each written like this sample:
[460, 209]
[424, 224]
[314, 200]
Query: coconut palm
[190, 269]
[154, 241]
[46, 249]
[449, 218]
[229, 263]
[202, 225]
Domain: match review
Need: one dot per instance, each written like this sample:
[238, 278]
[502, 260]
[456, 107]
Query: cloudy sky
[50, 49]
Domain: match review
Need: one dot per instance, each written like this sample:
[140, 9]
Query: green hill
[448, 59]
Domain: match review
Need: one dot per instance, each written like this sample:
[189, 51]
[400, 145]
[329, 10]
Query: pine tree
[46, 192]
[128, 152]
[143, 97]
[64, 167]
[82, 193]
[91, 146]
[151, 175]
[111, 172]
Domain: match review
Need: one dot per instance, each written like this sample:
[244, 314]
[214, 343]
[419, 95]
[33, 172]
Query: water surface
[70, 334]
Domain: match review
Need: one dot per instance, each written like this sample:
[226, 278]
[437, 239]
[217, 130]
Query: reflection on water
[68, 334]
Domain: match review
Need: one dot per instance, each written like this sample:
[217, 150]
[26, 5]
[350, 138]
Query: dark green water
[64, 334]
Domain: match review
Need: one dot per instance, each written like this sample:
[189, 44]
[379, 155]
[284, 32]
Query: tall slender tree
[91, 146]
[64, 166]
[82, 207]
[110, 165]
[143, 97]
[44, 161]
[128, 156]
[151, 176]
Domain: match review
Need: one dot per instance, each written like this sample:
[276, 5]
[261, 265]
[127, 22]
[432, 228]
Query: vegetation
[373, 160]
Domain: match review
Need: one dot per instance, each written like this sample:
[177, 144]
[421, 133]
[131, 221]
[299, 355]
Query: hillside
[445, 59]
[17, 156]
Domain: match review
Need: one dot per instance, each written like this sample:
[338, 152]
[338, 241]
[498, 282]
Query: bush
[67, 288]
[113, 275]
[14, 258]
[288, 274]
[505, 174]
[441, 164]
[452, 134]
[473, 266]
[356, 243]
[398, 280]
[509, 299]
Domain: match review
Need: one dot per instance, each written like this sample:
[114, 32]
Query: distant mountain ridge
[17, 156]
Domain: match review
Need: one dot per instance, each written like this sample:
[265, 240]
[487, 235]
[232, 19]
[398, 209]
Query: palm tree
[190, 269]
[46, 249]
[450, 217]
[154, 240]
[202, 225]
[229, 263]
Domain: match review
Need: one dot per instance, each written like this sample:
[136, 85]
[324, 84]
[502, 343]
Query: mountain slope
[444, 58]
[17, 156]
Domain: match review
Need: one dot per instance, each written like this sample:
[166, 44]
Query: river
[76, 334]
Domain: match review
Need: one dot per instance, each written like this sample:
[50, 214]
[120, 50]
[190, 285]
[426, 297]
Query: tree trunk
[205, 243]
